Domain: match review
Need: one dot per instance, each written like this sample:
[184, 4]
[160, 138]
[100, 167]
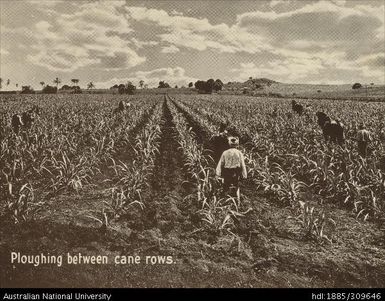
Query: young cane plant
[290, 187]
[314, 223]
[66, 173]
[132, 177]
[20, 203]
[219, 214]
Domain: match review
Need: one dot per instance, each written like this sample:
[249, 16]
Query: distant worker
[274, 114]
[219, 142]
[297, 108]
[25, 120]
[308, 111]
[363, 139]
[123, 106]
[231, 167]
[382, 133]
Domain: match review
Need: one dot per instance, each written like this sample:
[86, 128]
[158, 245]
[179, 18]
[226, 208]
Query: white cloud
[287, 70]
[45, 3]
[141, 44]
[62, 61]
[170, 49]
[89, 37]
[173, 76]
[3, 51]
[274, 3]
[174, 12]
[313, 7]
[328, 25]
[335, 38]
[339, 2]
[299, 51]
[374, 60]
[102, 15]
[372, 66]
[324, 65]
[325, 20]
[198, 34]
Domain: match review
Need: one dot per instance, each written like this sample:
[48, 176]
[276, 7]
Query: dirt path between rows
[167, 184]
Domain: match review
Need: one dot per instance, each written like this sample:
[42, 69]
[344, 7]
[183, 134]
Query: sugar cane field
[87, 178]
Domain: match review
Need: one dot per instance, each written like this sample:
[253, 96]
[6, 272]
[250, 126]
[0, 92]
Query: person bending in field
[363, 139]
[231, 167]
[219, 143]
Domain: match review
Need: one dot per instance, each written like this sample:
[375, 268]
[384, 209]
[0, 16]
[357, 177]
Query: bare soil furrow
[168, 185]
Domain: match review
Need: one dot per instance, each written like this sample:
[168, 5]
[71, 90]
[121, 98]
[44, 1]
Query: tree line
[129, 88]
[47, 89]
[206, 87]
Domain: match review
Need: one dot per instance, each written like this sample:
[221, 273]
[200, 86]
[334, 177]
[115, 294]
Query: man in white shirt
[231, 167]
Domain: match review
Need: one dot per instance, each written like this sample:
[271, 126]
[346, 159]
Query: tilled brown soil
[270, 251]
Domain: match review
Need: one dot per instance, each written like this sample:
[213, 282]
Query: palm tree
[90, 85]
[57, 81]
[42, 84]
[141, 83]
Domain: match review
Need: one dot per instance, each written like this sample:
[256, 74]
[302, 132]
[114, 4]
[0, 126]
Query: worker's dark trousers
[231, 178]
[363, 148]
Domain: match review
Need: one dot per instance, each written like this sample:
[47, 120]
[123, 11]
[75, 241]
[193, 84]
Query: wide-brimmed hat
[233, 141]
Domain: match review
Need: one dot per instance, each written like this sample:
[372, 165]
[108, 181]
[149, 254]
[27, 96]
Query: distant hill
[254, 83]
[268, 87]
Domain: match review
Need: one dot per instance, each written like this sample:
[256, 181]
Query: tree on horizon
[90, 85]
[75, 81]
[57, 81]
[163, 84]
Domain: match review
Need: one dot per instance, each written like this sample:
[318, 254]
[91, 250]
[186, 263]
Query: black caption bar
[109, 294]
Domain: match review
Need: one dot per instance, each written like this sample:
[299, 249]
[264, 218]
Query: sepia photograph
[191, 144]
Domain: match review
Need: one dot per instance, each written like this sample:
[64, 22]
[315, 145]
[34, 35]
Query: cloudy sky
[108, 42]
